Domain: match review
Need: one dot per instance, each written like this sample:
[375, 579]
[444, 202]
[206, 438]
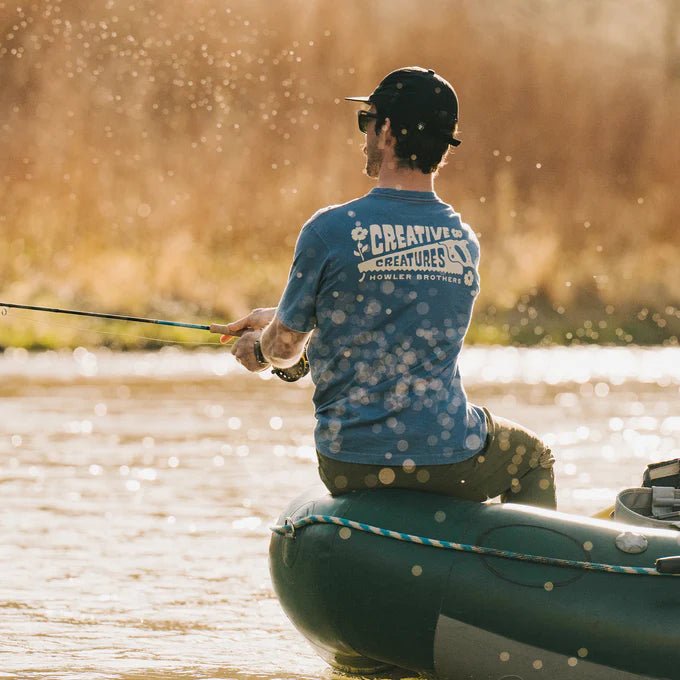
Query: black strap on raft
[666, 473]
[668, 565]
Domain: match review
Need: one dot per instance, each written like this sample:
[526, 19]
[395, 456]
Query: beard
[374, 158]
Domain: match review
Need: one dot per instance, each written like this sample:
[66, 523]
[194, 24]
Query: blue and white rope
[290, 527]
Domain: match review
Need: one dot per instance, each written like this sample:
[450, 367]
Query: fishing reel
[290, 374]
[293, 373]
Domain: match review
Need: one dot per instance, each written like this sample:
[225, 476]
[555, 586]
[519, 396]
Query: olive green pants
[514, 464]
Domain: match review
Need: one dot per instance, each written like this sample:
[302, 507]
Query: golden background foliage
[159, 158]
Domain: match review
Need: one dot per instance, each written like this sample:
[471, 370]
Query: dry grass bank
[159, 158]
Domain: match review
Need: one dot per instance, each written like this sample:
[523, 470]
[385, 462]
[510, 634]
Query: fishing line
[4, 311]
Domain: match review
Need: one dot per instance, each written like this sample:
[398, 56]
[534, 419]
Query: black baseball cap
[417, 98]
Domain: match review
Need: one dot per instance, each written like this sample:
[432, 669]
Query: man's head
[422, 109]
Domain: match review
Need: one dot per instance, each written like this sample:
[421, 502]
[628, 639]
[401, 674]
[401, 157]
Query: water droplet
[386, 476]
[409, 466]
[601, 389]
[423, 476]
[215, 411]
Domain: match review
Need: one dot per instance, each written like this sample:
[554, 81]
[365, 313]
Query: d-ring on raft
[471, 591]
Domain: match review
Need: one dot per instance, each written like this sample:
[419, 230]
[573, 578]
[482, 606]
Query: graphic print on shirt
[413, 252]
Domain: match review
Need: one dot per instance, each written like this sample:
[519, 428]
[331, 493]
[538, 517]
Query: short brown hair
[416, 149]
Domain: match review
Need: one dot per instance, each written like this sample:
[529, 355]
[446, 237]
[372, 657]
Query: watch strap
[257, 349]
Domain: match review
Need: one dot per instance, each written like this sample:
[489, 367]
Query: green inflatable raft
[470, 591]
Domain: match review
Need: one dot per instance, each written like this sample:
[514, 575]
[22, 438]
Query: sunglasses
[364, 118]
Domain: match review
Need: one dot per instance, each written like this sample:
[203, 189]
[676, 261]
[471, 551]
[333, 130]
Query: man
[385, 286]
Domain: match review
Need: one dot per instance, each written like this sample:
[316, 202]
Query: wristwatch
[259, 357]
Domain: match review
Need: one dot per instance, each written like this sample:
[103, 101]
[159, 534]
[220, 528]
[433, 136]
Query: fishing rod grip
[223, 329]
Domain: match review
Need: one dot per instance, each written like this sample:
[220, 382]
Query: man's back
[389, 281]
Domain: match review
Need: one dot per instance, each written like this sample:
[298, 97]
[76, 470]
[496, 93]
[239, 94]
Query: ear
[386, 137]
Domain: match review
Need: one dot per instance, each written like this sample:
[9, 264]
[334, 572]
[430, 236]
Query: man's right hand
[244, 351]
[256, 320]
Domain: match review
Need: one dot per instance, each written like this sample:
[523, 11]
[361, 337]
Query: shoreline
[504, 329]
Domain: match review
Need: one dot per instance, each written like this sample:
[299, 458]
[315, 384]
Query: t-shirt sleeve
[297, 308]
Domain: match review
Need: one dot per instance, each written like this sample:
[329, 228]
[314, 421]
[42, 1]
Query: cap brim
[364, 100]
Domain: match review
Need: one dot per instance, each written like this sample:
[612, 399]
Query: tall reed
[159, 158]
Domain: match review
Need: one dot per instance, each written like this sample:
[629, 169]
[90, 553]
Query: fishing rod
[291, 374]
[213, 328]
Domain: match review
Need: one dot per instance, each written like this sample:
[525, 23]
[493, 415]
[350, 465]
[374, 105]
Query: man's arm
[281, 346]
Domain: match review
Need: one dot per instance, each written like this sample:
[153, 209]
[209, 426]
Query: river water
[138, 490]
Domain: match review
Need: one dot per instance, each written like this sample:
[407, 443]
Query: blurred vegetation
[159, 158]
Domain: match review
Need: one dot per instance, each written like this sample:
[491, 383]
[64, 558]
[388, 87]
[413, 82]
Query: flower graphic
[469, 278]
[358, 235]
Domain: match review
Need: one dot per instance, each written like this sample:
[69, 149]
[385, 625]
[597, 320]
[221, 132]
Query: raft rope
[290, 527]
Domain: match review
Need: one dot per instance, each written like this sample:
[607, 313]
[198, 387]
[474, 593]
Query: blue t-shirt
[387, 282]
